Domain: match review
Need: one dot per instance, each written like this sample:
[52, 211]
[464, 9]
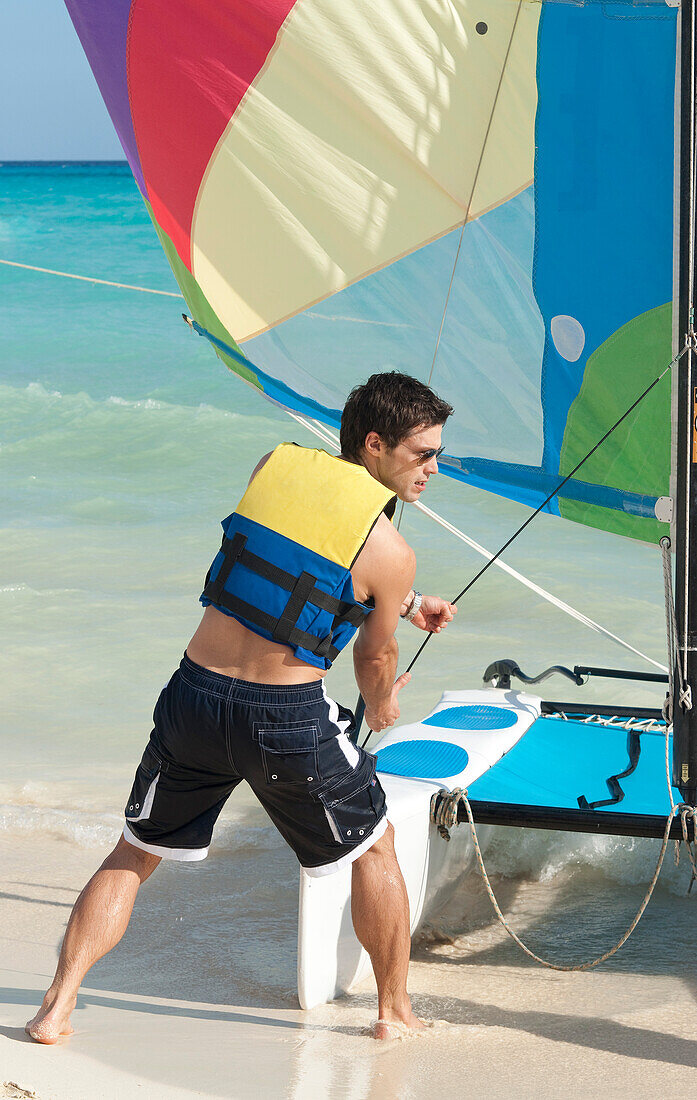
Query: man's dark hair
[391, 404]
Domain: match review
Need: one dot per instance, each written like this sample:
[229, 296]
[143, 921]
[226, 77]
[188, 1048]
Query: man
[308, 557]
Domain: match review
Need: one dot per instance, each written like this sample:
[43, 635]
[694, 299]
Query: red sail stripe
[189, 65]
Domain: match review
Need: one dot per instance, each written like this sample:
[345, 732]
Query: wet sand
[192, 1004]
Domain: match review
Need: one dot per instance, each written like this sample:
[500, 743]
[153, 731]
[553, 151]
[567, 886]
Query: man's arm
[375, 652]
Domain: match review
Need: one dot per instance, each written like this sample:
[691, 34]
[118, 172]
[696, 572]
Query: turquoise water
[123, 442]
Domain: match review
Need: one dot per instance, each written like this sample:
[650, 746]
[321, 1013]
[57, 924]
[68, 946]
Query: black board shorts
[291, 744]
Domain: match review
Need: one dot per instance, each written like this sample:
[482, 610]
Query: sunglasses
[426, 456]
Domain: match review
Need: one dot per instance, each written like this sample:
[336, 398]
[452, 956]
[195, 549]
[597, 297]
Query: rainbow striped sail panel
[327, 178]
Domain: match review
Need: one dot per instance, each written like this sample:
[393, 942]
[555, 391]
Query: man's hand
[434, 614]
[389, 713]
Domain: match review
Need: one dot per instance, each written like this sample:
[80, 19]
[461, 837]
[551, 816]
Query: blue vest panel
[284, 567]
[259, 601]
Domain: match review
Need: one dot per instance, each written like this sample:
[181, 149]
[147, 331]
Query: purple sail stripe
[102, 27]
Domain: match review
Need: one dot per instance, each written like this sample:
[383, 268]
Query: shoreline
[497, 1023]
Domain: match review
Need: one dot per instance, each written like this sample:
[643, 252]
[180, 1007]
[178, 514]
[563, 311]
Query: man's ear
[373, 444]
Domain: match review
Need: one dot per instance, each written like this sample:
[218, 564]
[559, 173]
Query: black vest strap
[303, 589]
[232, 549]
[291, 613]
[322, 647]
[340, 609]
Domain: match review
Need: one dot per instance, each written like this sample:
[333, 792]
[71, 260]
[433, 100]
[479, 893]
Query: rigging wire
[554, 600]
[90, 279]
[554, 493]
[494, 559]
[684, 690]
[692, 215]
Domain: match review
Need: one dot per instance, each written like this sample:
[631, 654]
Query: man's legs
[380, 911]
[97, 923]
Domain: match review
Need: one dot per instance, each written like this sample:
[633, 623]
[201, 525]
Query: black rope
[545, 502]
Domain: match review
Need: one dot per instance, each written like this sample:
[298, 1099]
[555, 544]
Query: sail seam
[472, 192]
[409, 251]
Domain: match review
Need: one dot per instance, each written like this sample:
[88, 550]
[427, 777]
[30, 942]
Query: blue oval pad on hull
[476, 717]
[422, 759]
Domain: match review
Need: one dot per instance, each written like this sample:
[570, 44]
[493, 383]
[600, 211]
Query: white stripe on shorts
[182, 855]
[347, 747]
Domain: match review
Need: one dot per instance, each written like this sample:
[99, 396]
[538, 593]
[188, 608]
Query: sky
[52, 109]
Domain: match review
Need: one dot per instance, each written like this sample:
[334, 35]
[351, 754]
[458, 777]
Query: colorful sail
[481, 196]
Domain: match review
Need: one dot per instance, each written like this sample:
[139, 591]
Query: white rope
[445, 817]
[615, 721]
[319, 429]
[554, 600]
[327, 436]
[89, 279]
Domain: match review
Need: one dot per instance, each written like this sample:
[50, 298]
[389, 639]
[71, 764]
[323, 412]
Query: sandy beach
[157, 1022]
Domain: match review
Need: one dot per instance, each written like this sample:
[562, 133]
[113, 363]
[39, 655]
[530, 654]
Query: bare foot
[52, 1021]
[395, 1025]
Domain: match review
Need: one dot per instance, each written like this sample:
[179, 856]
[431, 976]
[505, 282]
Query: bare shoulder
[386, 558]
[386, 539]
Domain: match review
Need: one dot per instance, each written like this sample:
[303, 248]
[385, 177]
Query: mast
[684, 717]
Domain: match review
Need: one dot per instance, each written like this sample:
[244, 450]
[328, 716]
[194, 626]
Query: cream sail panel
[357, 143]
[512, 123]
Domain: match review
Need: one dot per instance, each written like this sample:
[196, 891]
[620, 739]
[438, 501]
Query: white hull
[330, 958]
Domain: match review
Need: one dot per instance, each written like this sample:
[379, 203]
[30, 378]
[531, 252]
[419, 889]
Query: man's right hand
[387, 715]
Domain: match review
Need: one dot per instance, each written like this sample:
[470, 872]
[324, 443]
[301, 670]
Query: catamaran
[499, 198]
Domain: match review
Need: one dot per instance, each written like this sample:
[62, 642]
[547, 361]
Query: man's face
[407, 467]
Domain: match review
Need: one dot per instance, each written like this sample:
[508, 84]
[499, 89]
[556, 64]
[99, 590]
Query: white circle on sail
[568, 336]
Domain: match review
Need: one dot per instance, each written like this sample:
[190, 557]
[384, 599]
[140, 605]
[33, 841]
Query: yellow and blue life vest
[284, 567]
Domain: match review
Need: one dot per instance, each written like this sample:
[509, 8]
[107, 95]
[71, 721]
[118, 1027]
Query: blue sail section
[531, 485]
[603, 186]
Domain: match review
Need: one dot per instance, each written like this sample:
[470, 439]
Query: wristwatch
[414, 606]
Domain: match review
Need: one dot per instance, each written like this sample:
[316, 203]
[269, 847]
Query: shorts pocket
[142, 796]
[290, 755]
[350, 804]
